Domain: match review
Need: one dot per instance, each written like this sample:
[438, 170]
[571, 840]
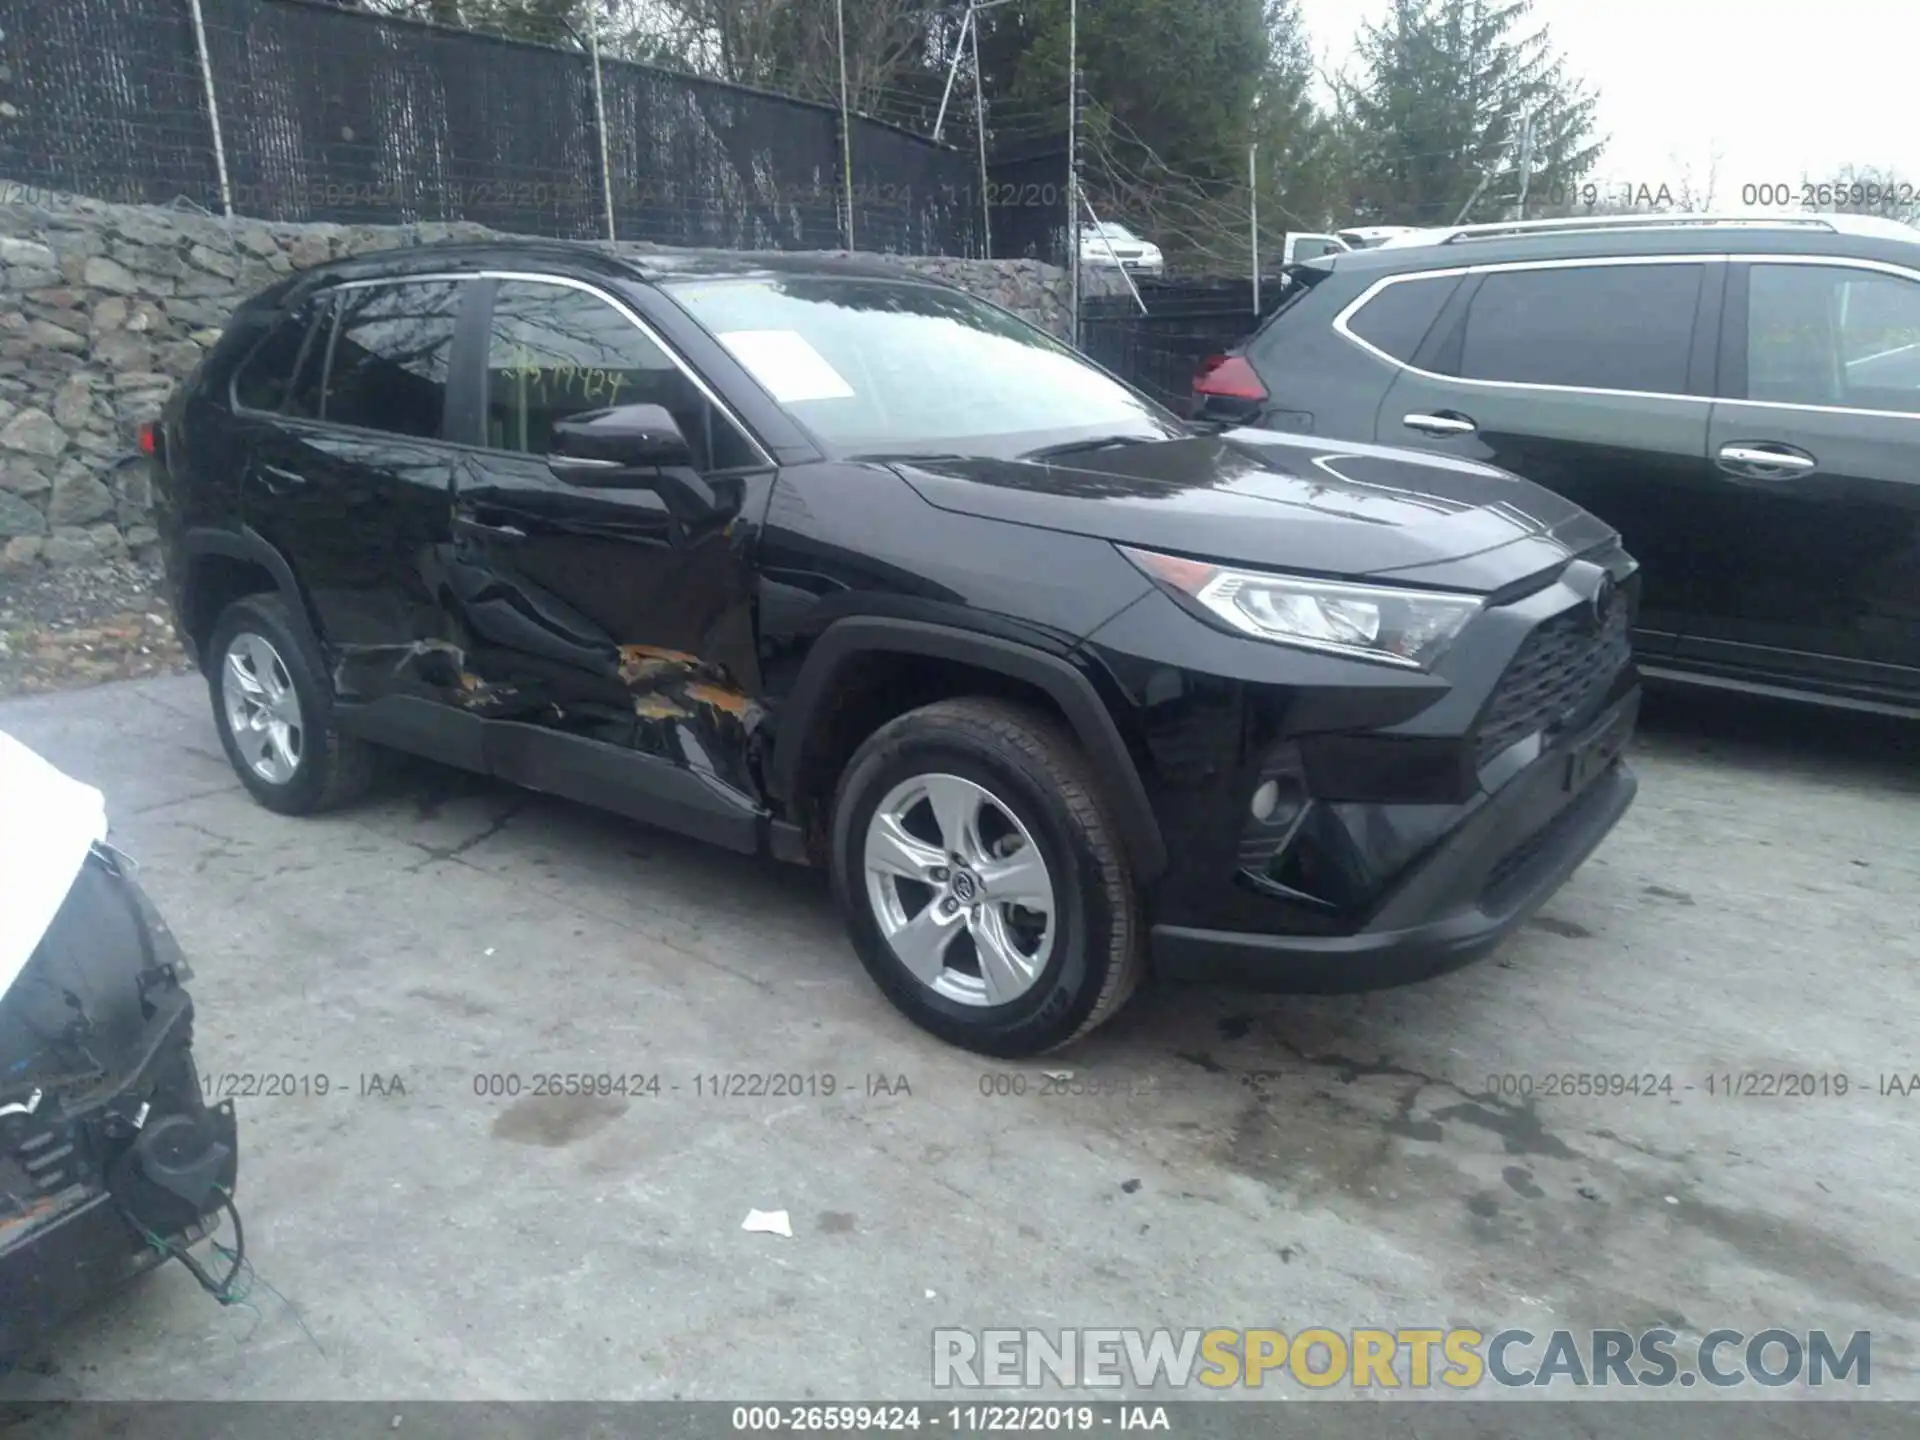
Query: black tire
[1029, 761]
[332, 769]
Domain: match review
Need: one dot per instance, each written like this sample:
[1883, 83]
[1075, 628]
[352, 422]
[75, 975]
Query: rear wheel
[984, 887]
[274, 711]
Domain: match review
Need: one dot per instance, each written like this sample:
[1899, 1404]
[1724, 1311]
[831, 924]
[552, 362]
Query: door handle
[1762, 460]
[278, 480]
[1444, 423]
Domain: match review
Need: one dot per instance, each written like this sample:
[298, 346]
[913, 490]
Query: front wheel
[984, 887]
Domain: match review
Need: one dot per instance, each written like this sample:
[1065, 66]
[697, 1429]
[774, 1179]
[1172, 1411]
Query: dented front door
[600, 613]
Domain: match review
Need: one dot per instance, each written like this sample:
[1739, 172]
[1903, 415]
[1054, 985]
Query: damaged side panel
[595, 619]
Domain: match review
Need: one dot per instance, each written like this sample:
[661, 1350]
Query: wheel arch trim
[248, 544]
[1062, 681]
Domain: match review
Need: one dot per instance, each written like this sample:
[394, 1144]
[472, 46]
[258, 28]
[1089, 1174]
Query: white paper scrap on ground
[48, 822]
[786, 364]
[768, 1222]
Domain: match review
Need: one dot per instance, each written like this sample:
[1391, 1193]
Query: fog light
[1266, 800]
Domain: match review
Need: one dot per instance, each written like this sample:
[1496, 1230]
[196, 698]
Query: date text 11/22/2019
[957, 1419]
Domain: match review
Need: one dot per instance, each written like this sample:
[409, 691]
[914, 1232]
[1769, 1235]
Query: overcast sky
[1782, 87]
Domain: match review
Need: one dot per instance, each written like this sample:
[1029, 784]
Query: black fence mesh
[350, 117]
[1185, 322]
[1027, 202]
[107, 101]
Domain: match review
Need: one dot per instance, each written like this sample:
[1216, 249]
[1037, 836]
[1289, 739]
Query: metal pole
[940, 120]
[846, 124]
[1253, 218]
[1526, 161]
[1486, 177]
[980, 128]
[1073, 164]
[213, 109]
[1114, 256]
[600, 121]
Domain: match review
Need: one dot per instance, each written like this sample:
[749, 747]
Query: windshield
[876, 366]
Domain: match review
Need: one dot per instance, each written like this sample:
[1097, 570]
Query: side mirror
[622, 448]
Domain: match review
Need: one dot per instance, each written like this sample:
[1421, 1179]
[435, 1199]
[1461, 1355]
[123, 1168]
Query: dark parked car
[1740, 398]
[111, 1161]
[805, 557]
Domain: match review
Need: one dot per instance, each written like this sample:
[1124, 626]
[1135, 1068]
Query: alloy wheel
[960, 890]
[262, 707]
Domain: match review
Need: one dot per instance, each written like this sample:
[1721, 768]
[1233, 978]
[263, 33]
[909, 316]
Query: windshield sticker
[786, 364]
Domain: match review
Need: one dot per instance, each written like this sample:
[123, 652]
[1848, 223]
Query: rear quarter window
[271, 377]
[1396, 320]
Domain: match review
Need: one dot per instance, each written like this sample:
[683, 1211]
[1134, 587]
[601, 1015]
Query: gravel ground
[65, 629]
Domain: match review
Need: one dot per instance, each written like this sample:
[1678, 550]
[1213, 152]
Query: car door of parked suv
[1588, 377]
[1816, 443]
[608, 615]
[349, 474]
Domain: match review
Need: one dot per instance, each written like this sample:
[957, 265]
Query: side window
[1833, 335]
[268, 378]
[390, 348]
[1602, 327]
[1398, 318]
[553, 351]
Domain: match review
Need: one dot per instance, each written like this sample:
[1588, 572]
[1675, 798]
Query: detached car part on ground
[799, 556]
[110, 1160]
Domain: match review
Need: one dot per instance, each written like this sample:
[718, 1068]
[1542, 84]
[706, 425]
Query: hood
[1284, 502]
[48, 823]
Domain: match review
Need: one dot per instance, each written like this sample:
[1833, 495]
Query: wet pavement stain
[1205, 1061]
[1484, 1206]
[1520, 1180]
[1565, 929]
[554, 1121]
[837, 1222]
[462, 1005]
[1801, 1253]
[1520, 1129]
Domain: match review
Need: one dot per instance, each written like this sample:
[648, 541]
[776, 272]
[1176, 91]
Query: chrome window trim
[1352, 308]
[567, 282]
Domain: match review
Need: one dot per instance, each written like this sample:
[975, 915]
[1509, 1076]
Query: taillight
[1228, 377]
[149, 439]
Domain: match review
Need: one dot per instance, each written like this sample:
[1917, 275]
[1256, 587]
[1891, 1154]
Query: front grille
[1561, 670]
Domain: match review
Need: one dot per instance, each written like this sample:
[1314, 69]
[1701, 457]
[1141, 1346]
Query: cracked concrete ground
[1249, 1160]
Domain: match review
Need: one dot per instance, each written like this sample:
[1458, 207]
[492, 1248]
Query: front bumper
[1477, 886]
[106, 1142]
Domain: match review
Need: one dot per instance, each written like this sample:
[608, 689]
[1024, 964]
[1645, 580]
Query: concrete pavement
[1243, 1161]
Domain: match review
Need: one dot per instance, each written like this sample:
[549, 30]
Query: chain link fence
[294, 110]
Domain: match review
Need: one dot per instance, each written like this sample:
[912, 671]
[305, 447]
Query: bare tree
[794, 46]
[1864, 190]
[1696, 185]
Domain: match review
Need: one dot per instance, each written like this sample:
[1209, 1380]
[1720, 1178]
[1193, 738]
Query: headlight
[1401, 627]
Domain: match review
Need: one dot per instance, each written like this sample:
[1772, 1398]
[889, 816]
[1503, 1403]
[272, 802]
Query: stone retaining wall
[104, 307]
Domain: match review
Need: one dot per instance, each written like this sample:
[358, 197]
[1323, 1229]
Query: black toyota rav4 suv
[803, 557]
[1738, 396]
